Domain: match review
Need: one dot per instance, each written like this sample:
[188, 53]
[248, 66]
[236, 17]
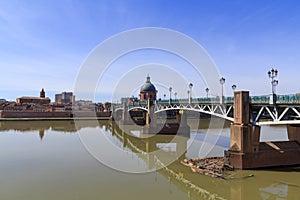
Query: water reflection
[60, 126]
[173, 147]
[275, 190]
[266, 184]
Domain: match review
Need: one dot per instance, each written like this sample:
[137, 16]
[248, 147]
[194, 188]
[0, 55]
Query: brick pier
[246, 151]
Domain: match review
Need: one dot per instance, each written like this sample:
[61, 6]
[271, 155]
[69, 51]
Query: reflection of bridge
[196, 185]
[167, 162]
[268, 184]
[263, 111]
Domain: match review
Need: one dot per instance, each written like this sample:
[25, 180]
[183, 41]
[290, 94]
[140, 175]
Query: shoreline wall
[60, 114]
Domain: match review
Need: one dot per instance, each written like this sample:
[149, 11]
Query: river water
[101, 160]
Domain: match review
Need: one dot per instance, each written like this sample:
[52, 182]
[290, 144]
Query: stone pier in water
[246, 151]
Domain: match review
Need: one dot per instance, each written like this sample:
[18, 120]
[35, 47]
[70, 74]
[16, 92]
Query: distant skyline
[44, 43]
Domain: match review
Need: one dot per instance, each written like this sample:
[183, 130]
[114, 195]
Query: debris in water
[214, 167]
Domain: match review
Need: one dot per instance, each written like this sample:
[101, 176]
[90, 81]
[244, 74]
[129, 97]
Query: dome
[148, 86]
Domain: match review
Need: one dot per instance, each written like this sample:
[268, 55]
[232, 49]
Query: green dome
[148, 86]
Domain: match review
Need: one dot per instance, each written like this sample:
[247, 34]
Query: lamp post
[275, 83]
[222, 82]
[188, 93]
[272, 75]
[190, 87]
[165, 96]
[175, 94]
[233, 88]
[170, 90]
[207, 91]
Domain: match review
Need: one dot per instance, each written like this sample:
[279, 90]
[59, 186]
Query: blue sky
[44, 43]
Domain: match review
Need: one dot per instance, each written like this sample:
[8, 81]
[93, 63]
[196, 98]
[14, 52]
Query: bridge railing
[193, 100]
[264, 99]
[259, 99]
[210, 100]
[289, 99]
[280, 99]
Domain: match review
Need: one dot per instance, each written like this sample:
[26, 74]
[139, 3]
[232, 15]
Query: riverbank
[53, 115]
[54, 119]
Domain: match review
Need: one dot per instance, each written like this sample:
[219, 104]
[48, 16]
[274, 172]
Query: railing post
[273, 99]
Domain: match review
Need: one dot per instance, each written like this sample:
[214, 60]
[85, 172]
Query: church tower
[42, 93]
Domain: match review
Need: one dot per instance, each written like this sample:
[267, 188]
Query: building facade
[34, 100]
[65, 98]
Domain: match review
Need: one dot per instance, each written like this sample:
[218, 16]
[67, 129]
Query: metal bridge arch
[206, 109]
[118, 109]
[138, 108]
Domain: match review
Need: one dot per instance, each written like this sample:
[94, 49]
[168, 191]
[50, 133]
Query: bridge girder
[280, 114]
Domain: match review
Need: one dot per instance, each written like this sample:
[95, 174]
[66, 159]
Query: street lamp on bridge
[175, 94]
[275, 83]
[233, 88]
[207, 91]
[170, 90]
[222, 82]
[190, 92]
[272, 75]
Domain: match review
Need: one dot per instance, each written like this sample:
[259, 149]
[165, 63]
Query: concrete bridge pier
[294, 132]
[151, 126]
[151, 119]
[125, 118]
[244, 137]
[246, 151]
[181, 120]
[124, 112]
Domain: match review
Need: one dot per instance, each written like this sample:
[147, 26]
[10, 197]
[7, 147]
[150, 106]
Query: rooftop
[26, 97]
[148, 86]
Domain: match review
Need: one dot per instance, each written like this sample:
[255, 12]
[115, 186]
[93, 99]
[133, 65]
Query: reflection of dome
[148, 86]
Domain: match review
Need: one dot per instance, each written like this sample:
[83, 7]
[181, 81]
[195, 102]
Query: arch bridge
[247, 113]
[264, 110]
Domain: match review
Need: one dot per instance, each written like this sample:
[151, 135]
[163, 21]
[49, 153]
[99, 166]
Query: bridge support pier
[294, 132]
[150, 118]
[181, 118]
[180, 127]
[125, 113]
[245, 149]
[244, 137]
[125, 117]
